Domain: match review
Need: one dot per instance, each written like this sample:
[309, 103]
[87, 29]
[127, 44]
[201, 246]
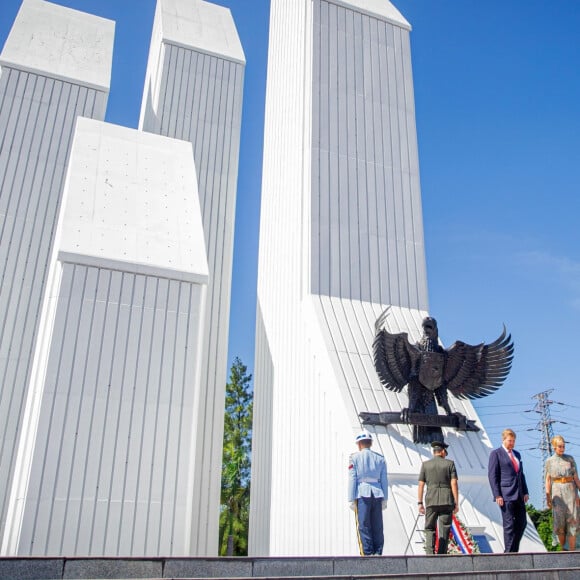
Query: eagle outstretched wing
[394, 356]
[472, 372]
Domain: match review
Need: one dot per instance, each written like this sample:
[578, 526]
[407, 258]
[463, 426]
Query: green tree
[542, 519]
[236, 462]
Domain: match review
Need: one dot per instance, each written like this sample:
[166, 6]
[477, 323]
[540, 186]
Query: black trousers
[443, 513]
[513, 515]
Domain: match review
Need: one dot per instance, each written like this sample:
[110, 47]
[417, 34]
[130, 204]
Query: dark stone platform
[550, 566]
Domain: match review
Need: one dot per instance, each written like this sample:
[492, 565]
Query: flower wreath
[460, 539]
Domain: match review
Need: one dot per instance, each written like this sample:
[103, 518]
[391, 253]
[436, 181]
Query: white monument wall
[193, 91]
[115, 388]
[55, 66]
[341, 239]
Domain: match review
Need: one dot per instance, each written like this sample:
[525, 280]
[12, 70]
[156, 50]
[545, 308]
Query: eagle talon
[405, 414]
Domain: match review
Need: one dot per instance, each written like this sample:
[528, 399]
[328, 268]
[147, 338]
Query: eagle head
[430, 327]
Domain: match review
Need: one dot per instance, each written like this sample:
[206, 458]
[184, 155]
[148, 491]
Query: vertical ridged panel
[293, 389]
[260, 491]
[111, 468]
[367, 233]
[200, 100]
[325, 140]
[37, 118]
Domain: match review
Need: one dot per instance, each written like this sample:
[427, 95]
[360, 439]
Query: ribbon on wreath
[460, 537]
[457, 535]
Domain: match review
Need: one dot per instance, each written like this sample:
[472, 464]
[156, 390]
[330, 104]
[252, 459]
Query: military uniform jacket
[437, 474]
[367, 472]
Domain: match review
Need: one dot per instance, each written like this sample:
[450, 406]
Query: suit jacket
[437, 474]
[504, 480]
[367, 472]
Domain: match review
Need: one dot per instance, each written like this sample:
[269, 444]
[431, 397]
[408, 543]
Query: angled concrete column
[341, 239]
[115, 384]
[55, 67]
[193, 91]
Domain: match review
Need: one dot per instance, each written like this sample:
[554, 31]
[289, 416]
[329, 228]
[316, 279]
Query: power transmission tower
[546, 431]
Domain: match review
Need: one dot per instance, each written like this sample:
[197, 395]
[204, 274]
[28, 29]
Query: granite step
[556, 565]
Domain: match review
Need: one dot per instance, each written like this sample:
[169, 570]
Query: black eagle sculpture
[430, 371]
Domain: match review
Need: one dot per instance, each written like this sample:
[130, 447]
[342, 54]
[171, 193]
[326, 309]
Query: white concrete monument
[54, 67]
[341, 239]
[106, 461]
[113, 351]
[193, 91]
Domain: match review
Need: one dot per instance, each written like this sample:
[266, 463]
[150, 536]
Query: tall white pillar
[55, 67]
[341, 239]
[193, 91]
[115, 382]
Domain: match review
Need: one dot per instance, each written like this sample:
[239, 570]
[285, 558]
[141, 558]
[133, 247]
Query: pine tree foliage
[236, 463]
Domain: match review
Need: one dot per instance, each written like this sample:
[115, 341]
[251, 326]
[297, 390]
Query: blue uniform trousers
[370, 525]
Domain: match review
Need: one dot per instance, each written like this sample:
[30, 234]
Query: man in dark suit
[442, 497]
[509, 488]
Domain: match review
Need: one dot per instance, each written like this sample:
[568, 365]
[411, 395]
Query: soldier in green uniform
[441, 499]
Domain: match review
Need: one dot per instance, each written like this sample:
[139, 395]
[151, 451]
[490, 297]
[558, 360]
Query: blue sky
[497, 94]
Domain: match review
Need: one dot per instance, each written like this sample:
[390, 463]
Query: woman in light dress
[562, 487]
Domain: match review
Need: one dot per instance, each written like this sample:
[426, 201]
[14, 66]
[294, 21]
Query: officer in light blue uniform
[367, 494]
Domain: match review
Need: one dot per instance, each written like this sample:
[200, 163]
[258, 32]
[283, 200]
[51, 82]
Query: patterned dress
[564, 508]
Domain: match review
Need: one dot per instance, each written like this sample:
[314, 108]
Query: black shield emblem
[431, 369]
